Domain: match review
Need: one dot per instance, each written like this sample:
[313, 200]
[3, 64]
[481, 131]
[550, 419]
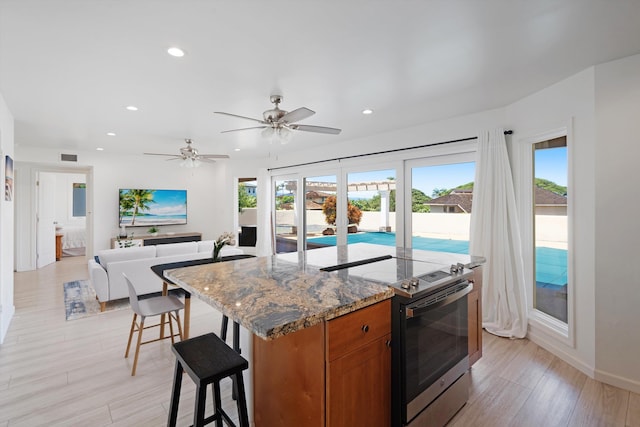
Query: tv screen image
[145, 207]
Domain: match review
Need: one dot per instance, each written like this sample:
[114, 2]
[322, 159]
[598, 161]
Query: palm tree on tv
[136, 201]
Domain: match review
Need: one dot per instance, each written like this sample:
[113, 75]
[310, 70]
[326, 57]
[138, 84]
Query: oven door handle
[417, 311]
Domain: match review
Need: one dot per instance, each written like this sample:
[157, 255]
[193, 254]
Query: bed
[73, 240]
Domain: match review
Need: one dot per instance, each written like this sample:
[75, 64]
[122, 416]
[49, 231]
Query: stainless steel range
[430, 357]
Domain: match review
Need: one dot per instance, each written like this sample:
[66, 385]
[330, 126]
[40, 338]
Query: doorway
[53, 214]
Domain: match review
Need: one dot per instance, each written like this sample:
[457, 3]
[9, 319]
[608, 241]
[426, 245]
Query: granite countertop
[272, 297]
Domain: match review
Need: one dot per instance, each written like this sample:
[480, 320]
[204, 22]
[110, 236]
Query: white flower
[225, 239]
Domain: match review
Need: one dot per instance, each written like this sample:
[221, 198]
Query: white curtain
[264, 241]
[495, 234]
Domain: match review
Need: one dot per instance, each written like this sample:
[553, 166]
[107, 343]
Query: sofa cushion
[205, 246]
[115, 255]
[171, 249]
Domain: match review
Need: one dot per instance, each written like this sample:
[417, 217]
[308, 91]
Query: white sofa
[106, 272]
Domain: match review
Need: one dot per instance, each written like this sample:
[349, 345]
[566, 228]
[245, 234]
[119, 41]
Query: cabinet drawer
[348, 332]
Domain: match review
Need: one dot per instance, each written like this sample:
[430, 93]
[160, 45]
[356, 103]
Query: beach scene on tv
[143, 207]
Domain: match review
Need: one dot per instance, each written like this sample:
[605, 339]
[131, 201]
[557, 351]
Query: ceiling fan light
[284, 135]
[267, 132]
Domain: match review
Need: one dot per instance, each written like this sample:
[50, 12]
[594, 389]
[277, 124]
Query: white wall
[6, 224]
[208, 192]
[569, 103]
[617, 150]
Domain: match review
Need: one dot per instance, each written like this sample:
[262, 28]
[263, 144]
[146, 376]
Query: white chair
[155, 306]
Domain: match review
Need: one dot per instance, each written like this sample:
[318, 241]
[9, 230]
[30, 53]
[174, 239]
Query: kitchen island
[318, 342]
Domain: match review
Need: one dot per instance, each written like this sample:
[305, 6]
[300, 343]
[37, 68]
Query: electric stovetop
[412, 273]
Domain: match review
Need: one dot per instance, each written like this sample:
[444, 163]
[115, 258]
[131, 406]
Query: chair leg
[133, 325]
[201, 398]
[223, 328]
[217, 402]
[243, 415]
[135, 359]
[169, 317]
[179, 325]
[175, 395]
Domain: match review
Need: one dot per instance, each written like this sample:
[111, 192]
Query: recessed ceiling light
[367, 111]
[132, 108]
[236, 149]
[175, 51]
[99, 149]
[111, 134]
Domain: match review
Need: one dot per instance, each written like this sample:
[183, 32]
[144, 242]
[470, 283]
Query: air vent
[68, 157]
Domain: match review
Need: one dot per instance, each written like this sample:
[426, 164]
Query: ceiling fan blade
[213, 156]
[317, 129]
[159, 154]
[296, 115]
[240, 117]
[202, 159]
[236, 130]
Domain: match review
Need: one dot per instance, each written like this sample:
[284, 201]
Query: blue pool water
[551, 264]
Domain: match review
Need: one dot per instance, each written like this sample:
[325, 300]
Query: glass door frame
[465, 156]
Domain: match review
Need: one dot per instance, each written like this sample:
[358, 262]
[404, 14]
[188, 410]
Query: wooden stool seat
[207, 360]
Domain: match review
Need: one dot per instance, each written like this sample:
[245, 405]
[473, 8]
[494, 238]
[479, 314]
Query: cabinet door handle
[365, 328]
[388, 343]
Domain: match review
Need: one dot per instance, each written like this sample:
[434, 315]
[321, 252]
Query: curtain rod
[506, 132]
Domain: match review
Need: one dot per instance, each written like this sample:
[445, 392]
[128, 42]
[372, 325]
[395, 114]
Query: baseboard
[7, 314]
[544, 341]
[551, 346]
[617, 381]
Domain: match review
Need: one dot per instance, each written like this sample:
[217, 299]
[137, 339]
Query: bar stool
[207, 360]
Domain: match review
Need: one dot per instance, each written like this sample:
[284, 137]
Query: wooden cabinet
[336, 373]
[58, 247]
[359, 368]
[475, 317]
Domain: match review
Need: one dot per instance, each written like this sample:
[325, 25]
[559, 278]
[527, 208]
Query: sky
[168, 202]
[550, 164]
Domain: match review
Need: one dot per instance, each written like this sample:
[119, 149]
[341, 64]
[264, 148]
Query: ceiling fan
[190, 157]
[278, 124]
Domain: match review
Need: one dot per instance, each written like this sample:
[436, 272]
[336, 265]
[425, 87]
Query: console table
[160, 239]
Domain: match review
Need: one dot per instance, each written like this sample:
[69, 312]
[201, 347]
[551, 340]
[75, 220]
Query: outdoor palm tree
[136, 201]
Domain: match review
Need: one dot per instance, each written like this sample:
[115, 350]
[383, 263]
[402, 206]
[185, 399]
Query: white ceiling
[68, 68]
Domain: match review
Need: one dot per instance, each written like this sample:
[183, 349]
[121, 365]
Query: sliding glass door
[439, 202]
[319, 210]
[286, 215]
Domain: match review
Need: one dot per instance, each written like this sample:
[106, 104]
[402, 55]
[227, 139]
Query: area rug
[80, 301]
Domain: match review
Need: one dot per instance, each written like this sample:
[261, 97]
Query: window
[439, 204]
[550, 227]
[79, 199]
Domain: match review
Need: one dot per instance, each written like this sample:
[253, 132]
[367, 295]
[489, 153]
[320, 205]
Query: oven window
[436, 340]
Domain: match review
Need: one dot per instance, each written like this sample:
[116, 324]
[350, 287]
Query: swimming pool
[551, 263]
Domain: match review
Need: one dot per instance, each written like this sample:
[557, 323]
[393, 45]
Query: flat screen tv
[144, 207]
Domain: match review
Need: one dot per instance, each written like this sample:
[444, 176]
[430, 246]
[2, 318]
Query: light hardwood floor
[54, 372]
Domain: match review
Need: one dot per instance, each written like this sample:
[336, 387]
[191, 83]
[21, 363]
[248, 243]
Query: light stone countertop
[272, 297]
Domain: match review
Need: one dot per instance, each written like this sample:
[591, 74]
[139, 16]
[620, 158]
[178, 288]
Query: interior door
[45, 219]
